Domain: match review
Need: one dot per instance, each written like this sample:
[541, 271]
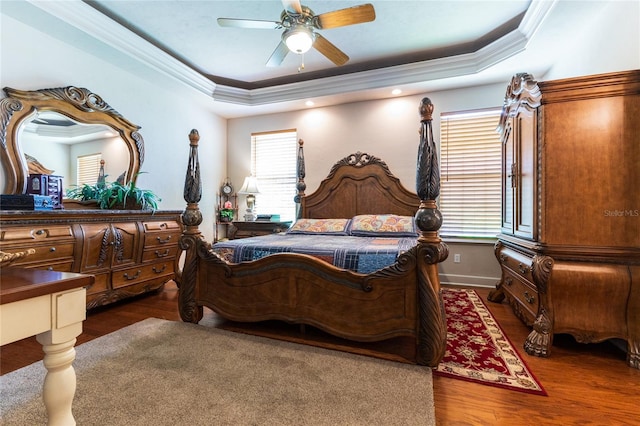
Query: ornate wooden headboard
[358, 184]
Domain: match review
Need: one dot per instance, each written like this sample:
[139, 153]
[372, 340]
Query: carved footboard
[403, 299]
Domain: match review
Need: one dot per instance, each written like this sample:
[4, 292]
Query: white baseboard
[468, 280]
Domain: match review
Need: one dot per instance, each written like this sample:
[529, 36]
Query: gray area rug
[159, 372]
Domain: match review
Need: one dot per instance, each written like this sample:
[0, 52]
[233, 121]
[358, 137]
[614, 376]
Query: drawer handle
[50, 268]
[40, 232]
[165, 254]
[523, 269]
[508, 281]
[126, 275]
[529, 298]
[159, 271]
[503, 258]
[52, 249]
[166, 240]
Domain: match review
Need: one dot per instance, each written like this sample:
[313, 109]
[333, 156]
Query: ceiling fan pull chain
[301, 67]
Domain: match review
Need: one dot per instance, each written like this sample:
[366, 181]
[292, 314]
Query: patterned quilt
[359, 254]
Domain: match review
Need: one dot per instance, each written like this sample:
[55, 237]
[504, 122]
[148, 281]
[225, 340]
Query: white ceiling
[188, 29]
[417, 46]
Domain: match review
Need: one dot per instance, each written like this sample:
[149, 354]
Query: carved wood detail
[580, 251]
[403, 299]
[77, 103]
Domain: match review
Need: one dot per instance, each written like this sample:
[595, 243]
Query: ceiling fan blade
[278, 55]
[348, 16]
[329, 50]
[292, 6]
[249, 23]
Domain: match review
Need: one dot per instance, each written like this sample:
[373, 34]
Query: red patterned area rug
[477, 348]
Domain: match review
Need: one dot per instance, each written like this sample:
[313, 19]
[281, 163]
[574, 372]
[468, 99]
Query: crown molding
[90, 21]
[376, 79]
[85, 18]
[456, 66]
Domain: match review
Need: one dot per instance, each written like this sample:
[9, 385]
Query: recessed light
[309, 103]
[396, 91]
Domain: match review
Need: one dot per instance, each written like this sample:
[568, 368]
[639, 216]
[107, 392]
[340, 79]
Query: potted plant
[226, 212]
[116, 195]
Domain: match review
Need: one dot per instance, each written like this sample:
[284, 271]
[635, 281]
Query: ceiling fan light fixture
[298, 39]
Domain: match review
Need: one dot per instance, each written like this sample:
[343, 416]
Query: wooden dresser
[570, 242]
[129, 252]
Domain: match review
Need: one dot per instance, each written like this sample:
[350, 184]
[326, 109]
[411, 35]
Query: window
[273, 163]
[470, 192]
[88, 169]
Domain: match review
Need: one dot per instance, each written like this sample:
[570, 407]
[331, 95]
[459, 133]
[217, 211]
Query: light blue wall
[389, 128]
[610, 43]
[165, 110]
[33, 56]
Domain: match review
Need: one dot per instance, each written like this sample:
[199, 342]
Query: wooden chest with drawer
[129, 252]
[256, 228]
[569, 246]
[521, 290]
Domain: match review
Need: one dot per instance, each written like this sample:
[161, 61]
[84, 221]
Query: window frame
[83, 169]
[470, 173]
[277, 176]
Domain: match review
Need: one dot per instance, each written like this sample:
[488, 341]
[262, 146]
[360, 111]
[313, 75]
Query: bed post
[432, 331]
[191, 237]
[300, 185]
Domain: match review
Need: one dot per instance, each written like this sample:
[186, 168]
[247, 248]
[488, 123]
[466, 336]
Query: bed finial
[194, 137]
[191, 237]
[428, 217]
[300, 172]
[192, 217]
[428, 173]
[431, 250]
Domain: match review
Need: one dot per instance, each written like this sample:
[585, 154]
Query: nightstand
[241, 229]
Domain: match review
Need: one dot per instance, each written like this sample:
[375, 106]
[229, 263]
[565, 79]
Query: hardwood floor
[587, 384]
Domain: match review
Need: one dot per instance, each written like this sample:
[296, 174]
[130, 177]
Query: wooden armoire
[569, 248]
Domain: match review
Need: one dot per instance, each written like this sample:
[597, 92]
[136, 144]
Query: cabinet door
[508, 177]
[108, 245]
[96, 247]
[126, 239]
[525, 146]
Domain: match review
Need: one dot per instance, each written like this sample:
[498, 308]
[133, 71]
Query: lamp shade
[249, 186]
[298, 39]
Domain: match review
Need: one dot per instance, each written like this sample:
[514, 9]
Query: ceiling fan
[299, 24]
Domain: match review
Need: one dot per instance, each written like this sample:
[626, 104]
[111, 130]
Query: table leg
[60, 382]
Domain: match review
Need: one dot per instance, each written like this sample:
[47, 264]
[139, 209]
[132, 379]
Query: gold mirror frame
[76, 103]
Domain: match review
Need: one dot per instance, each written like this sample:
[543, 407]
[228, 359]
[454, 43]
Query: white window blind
[273, 163]
[470, 192]
[88, 169]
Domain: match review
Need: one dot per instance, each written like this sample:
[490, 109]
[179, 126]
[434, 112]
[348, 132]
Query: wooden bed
[403, 299]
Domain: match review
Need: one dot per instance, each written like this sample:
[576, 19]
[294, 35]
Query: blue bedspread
[359, 254]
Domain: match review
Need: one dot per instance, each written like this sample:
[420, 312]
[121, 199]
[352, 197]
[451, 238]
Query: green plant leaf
[112, 194]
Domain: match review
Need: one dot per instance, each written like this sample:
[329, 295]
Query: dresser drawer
[160, 239]
[126, 277]
[64, 265]
[161, 233]
[165, 225]
[32, 234]
[167, 253]
[100, 284]
[518, 263]
[523, 294]
[51, 251]
[45, 253]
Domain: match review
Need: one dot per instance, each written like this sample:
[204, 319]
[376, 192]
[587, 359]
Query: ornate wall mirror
[58, 121]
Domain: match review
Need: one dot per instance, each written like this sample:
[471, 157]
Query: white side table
[51, 306]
